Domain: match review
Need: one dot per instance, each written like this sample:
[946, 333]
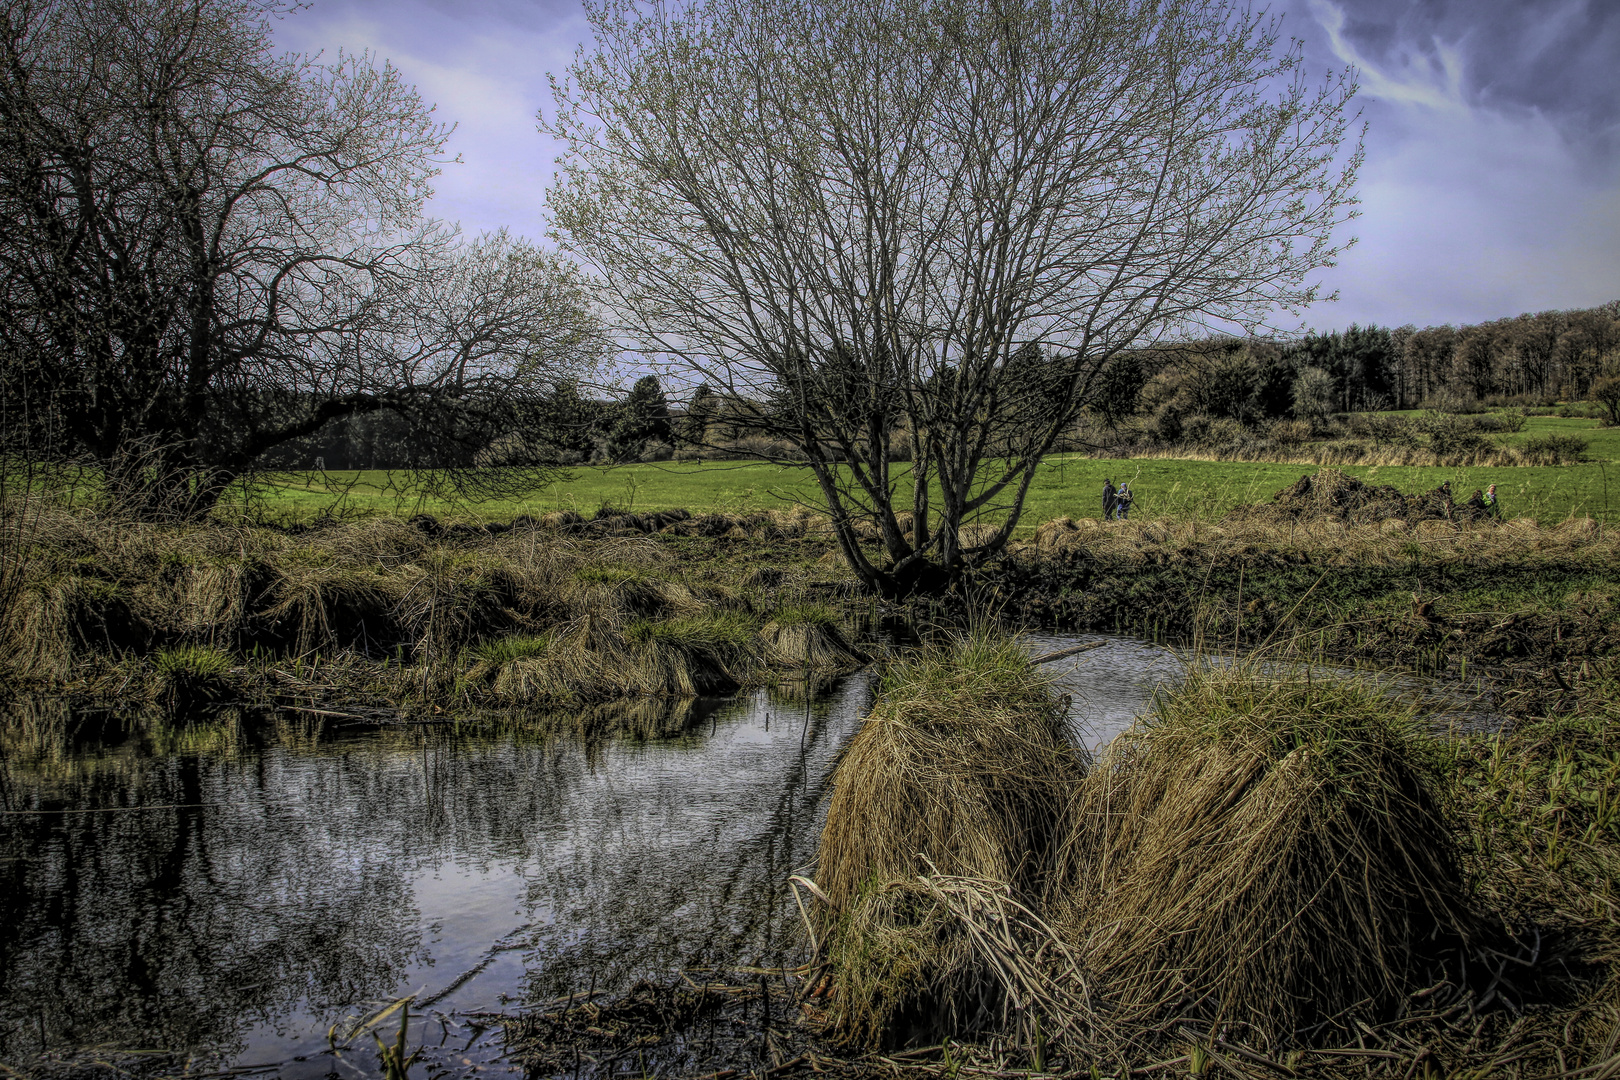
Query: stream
[235, 892]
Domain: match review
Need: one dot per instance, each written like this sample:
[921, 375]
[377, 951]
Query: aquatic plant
[190, 675]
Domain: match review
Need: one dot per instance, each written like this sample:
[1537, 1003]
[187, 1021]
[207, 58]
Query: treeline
[565, 427]
[1531, 360]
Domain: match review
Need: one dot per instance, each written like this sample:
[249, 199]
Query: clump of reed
[1266, 850]
[963, 768]
[807, 636]
[704, 653]
[1267, 857]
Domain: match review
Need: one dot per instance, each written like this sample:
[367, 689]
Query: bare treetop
[211, 249]
[915, 193]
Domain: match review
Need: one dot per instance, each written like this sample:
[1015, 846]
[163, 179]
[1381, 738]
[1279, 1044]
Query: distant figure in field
[1122, 500]
[1110, 500]
[1493, 509]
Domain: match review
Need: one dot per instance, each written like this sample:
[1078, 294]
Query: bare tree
[210, 249]
[937, 220]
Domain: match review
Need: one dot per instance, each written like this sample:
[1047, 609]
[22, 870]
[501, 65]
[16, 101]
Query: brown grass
[1321, 541]
[963, 768]
[621, 614]
[1264, 850]
[1269, 867]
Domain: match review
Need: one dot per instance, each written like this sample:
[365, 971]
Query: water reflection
[238, 891]
[238, 886]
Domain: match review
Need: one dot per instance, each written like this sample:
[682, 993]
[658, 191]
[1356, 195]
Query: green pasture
[1067, 485]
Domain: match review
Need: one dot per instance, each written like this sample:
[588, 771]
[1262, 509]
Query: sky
[1492, 178]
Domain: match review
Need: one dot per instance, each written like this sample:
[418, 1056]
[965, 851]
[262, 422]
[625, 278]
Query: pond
[235, 890]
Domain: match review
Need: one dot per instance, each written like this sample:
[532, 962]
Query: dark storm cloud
[1492, 178]
[1555, 56]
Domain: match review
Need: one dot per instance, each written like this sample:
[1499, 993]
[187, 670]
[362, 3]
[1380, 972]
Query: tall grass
[584, 618]
[962, 768]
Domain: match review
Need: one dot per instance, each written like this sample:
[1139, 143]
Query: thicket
[1268, 399]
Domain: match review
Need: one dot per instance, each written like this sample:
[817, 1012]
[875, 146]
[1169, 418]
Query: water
[237, 891]
[240, 898]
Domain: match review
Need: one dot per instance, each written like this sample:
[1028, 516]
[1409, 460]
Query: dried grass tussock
[1270, 870]
[964, 768]
[1265, 851]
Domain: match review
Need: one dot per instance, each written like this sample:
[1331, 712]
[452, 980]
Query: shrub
[1554, 448]
[1215, 433]
[1512, 420]
[1289, 432]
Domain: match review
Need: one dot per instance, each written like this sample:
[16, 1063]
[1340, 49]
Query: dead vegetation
[1271, 874]
[1320, 568]
[1329, 518]
[961, 769]
[568, 611]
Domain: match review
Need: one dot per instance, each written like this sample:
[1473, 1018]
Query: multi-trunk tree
[208, 249]
[938, 221]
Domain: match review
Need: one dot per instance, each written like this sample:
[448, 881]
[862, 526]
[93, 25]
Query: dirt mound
[1341, 497]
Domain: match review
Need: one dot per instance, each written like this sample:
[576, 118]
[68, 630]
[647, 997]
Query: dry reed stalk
[963, 768]
[1268, 851]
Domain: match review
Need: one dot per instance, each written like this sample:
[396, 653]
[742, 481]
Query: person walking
[1122, 500]
[1110, 499]
[1493, 509]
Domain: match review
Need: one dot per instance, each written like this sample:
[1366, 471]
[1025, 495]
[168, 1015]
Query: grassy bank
[1271, 874]
[383, 611]
[568, 608]
[1422, 596]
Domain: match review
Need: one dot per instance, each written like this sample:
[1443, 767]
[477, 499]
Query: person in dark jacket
[1110, 500]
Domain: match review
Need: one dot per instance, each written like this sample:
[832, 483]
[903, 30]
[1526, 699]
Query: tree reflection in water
[238, 885]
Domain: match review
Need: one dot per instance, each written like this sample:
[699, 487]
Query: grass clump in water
[1265, 849]
[694, 654]
[190, 675]
[962, 769]
[808, 636]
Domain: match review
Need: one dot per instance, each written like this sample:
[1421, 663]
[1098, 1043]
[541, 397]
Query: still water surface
[238, 892]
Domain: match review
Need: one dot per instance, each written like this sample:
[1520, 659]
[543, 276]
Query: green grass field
[1067, 485]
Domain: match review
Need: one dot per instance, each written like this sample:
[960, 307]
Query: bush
[1452, 434]
[1554, 449]
[1512, 420]
[1289, 432]
[1215, 433]
[1382, 428]
[1606, 393]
